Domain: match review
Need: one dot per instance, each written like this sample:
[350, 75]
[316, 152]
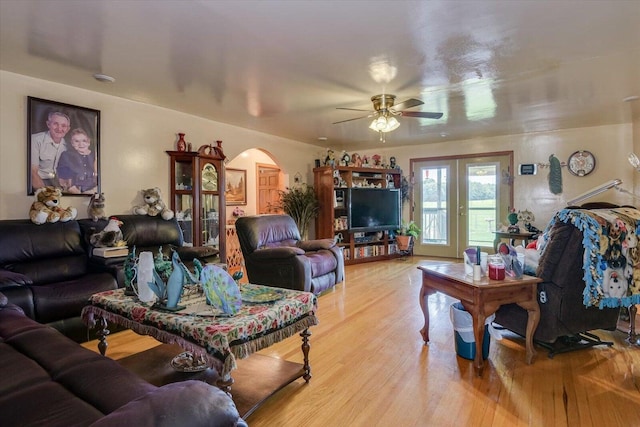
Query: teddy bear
[95, 210]
[47, 208]
[153, 204]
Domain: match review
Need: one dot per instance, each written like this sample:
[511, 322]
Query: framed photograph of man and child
[63, 147]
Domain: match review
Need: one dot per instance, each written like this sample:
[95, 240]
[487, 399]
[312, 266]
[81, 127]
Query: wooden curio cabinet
[197, 195]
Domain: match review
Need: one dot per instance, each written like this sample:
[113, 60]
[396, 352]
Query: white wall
[610, 145]
[134, 138]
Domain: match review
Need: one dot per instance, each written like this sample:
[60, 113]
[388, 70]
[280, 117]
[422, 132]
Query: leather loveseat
[274, 255]
[45, 270]
[46, 379]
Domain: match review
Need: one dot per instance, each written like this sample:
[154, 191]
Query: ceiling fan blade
[351, 109]
[422, 114]
[409, 103]
[349, 120]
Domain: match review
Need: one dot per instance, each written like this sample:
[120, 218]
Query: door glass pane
[482, 202]
[434, 205]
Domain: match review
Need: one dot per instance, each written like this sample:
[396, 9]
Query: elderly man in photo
[46, 148]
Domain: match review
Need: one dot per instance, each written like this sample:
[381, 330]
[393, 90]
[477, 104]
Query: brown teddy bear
[154, 205]
[47, 208]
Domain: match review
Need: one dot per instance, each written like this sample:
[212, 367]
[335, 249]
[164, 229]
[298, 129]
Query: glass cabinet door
[210, 219]
[183, 197]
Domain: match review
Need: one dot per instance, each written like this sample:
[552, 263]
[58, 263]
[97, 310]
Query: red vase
[182, 145]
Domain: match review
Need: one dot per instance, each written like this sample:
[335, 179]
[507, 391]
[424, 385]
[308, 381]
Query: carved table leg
[533, 312]
[425, 291]
[478, 333]
[633, 337]
[102, 332]
[305, 354]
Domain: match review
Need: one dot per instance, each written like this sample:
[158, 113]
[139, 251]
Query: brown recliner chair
[274, 255]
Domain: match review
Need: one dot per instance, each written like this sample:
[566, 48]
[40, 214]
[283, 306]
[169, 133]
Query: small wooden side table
[512, 237]
[481, 299]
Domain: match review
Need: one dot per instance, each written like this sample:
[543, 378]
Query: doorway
[459, 201]
[268, 184]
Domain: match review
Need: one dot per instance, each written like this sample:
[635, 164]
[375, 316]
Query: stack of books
[111, 252]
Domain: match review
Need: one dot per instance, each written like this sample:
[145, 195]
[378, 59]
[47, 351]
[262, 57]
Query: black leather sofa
[49, 272]
[48, 380]
[45, 270]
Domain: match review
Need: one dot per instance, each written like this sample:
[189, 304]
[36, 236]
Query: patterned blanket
[611, 254]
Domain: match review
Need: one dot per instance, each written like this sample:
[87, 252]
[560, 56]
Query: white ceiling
[282, 67]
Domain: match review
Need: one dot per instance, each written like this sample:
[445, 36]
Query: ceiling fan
[384, 112]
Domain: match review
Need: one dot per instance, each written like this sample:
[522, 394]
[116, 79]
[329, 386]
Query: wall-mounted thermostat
[528, 169]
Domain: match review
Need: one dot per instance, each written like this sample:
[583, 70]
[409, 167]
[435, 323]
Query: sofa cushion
[209, 406]
[64, 300]
[44, 253]
[46, 404]
[322, 262]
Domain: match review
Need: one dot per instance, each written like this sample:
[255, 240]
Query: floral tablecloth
[219, 339]
[611, 263]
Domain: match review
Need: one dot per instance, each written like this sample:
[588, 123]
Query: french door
[459, 201]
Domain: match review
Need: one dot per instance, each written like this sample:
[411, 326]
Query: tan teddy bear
[153, 204]
[47, 208]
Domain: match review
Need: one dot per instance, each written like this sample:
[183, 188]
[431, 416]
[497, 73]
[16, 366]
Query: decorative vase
[182, 144]
[144, 276]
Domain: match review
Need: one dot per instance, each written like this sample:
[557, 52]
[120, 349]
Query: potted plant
[301, 204]
[404, 235]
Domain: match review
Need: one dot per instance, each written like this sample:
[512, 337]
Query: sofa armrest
[316, 245]
[189, 253]
[9, 278]
[187, 403]
[276, 253]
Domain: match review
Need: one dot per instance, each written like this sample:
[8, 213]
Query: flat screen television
[374, 209]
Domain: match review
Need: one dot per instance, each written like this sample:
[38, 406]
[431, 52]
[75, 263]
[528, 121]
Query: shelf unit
[197, 184]
[331, 186]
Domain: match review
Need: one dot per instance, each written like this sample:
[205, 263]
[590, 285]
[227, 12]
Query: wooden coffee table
[218, 340]
[481, 299]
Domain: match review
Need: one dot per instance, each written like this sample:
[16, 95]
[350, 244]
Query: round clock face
[209, 178]
[581, 163]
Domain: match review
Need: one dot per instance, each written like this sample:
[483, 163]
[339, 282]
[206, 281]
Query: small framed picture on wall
[236, 191]
[63, 147]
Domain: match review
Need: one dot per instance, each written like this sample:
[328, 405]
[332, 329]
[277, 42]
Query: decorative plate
[262, 295]
[188, 362]
[581, 163]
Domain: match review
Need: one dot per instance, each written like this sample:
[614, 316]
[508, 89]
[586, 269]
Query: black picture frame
[80, 177]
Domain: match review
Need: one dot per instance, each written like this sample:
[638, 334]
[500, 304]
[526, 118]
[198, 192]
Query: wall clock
[581, 163]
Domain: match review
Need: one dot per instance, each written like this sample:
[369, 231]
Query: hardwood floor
[371, 368]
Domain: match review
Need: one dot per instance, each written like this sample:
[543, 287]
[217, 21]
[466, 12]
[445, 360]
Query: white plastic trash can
[463, 330]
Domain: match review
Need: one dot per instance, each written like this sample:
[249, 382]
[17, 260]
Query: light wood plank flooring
[371, 368]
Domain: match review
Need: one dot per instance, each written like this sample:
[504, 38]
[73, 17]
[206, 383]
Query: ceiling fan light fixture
[392, 124]
[384, 124]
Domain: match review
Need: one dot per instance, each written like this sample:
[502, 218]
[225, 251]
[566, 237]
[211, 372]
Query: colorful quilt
[611, 254]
